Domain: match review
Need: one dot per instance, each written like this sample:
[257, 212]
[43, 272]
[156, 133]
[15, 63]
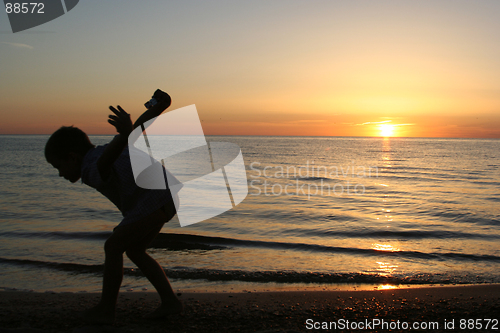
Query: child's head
[65, 150]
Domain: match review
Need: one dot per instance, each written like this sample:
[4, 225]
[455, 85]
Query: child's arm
[123, 124]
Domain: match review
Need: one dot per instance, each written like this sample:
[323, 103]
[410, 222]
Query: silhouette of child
[108, 169]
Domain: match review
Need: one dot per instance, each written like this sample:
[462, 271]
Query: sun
[387, 130]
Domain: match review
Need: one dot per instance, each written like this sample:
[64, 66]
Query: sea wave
[288, 276]
[165, 240]
[182, 242]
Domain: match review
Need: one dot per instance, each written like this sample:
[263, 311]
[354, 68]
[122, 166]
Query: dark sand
[256, 312]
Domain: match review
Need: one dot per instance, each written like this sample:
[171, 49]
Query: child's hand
[162, 98]
[121, 121]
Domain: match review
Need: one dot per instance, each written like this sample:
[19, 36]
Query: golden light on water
[386, 268]
[386, 287]
[385, 248]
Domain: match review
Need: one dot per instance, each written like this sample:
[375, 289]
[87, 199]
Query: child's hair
[67, 139]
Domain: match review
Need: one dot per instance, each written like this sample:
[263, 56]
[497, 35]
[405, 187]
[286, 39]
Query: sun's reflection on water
[386, 287]
[386, 154]
[385, 268]
[385, 247]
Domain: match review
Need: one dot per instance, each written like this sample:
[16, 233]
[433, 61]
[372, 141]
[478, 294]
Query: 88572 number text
[24, 8]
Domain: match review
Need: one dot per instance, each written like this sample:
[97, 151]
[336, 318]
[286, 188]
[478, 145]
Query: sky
[297, 68]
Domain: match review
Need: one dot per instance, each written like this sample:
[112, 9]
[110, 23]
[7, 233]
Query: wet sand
[291, 311]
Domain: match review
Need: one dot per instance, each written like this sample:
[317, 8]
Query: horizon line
[303, 136]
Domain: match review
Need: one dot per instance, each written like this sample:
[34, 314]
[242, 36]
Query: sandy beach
[291, 311]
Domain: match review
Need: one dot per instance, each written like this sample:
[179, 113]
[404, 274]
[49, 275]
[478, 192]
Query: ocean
[321, 213]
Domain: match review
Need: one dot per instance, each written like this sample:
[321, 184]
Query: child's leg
[154, 272]
[131, 237]
[104, 312]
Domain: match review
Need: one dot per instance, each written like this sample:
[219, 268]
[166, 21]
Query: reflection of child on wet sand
[108, 169]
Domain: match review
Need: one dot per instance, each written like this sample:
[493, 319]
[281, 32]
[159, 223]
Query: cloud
[23, 46]
[377, 123]
[374, 122]
[403, 124]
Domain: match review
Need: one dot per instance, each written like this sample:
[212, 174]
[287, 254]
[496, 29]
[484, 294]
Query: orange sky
[260, 68]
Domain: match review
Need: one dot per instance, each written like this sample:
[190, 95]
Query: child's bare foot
[99, 316]
[165, 310]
